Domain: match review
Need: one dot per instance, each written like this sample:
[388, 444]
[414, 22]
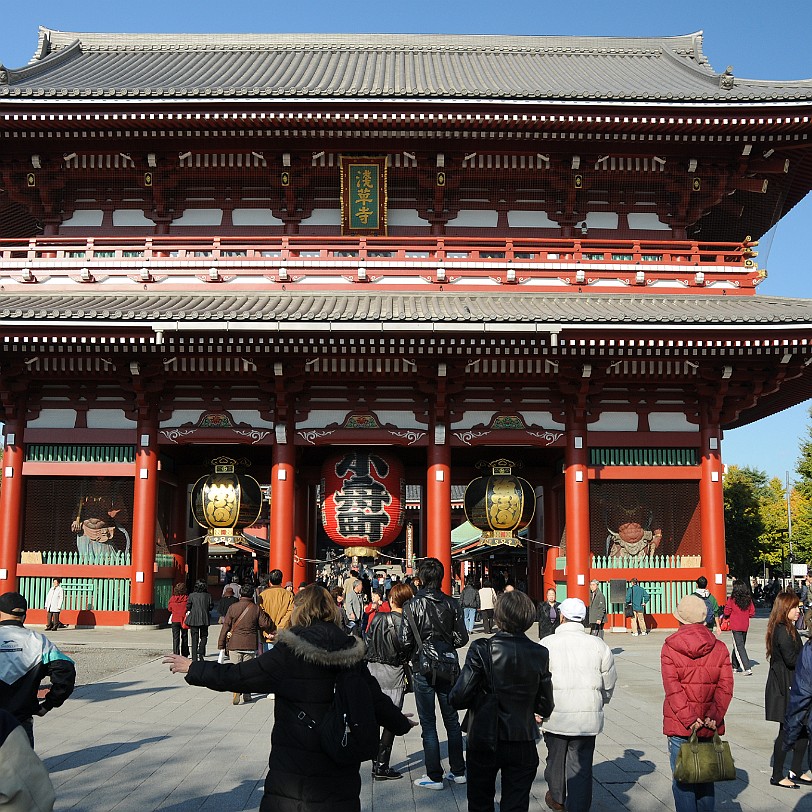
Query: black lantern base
[142, 614]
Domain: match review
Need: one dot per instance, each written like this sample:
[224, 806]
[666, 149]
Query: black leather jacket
[521, 681]
[382, 639]
[437, 616]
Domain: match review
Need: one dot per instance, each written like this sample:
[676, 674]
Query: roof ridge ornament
[3, 74]
[727, 80]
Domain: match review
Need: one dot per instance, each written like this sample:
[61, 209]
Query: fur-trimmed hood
[323, 644]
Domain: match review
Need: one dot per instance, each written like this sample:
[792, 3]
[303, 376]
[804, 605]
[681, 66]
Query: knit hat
[573, 609]
[691, 609]
[13, 603]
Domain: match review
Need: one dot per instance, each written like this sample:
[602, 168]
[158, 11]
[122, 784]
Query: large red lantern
[500, 504]
[224, 502]
[363, 497]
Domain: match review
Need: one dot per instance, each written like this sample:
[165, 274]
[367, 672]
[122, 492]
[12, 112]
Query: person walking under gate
[177, 617]
[739, 609]
[469, 600]
[198, 609]
[53, 605]
[597, 609]
[638, 598]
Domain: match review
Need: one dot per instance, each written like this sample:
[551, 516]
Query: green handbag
[702, 762]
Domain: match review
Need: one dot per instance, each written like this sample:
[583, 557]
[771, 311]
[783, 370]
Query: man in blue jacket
[26, 658]
[638, 598]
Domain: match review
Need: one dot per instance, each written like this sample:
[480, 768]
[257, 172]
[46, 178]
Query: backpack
[348, 732]
[710, 610]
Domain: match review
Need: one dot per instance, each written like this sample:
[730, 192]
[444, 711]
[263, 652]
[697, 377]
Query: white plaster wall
[323, 217]
[471, 419]
[85, 218]
[131, 217]
[670, 421]
[475, 218]
[54, 419]
[543, 419]
[405, 217]
[530, 219]
[200, 217]
[108, 419]
[252, 417]
[254, 217]
[615, 421]
[646, 221]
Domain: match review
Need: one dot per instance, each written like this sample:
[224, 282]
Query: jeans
[424, 695]
[738, 655]
[518, 763]
[180, 640]
[470, 617]
[689, 797]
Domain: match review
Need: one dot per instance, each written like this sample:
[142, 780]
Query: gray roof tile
[346, 66]
[409, 309]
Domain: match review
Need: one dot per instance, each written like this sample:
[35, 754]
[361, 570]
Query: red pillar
[11, 503]
[438, 509]
[283, 508]
[712, 512]
[145, 505]
[300, 540]
[576, 494]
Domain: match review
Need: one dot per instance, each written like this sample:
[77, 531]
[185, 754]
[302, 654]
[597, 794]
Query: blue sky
[760, 40]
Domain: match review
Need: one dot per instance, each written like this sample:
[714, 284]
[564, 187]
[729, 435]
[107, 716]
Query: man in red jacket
[698, 682]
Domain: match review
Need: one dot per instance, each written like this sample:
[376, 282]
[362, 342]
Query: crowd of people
[402, 635]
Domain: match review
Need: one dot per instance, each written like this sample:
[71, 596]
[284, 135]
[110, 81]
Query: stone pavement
[144, 740]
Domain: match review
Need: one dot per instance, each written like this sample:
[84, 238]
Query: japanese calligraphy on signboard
[363, 196]
[362, 500]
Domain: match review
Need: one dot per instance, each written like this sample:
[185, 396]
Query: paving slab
[142, 739]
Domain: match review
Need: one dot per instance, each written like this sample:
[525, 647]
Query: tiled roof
[446, 311]
[385, 66]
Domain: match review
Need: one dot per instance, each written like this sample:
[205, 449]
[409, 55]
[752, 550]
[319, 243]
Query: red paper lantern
[363, 497]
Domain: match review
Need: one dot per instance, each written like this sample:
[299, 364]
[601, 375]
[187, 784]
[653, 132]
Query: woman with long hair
[739, 609]
[387, 664]
[177, 617]
[783, 647]
[301, 670]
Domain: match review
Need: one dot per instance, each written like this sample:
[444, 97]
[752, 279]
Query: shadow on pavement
[90, 755]
[621, 774]
[103, 691]
[239, 797]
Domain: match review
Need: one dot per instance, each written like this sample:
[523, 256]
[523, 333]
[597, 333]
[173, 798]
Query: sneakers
[427, 783]
[748, 673]
[385, 774]
[635, 634]
[645, 633]
[455, 779]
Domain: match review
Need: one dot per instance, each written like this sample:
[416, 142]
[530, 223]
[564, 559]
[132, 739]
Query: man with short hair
[597, 609]
[354, 606]
[711, 604]
[53, 606]
[434, 620]
[277, 603]
[584, 677]
[26, 658]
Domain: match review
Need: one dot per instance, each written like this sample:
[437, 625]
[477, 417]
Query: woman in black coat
[549, 615]
[198, 609]
[783, 647]
[301, 671]
[517, 671]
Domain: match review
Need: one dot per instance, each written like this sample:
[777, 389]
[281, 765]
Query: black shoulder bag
[437, 659]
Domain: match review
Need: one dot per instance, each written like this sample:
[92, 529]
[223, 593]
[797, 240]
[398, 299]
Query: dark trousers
[53, 621]
[517, 761]
[569, 770]
[180, 640]
[738, 655]
[200, 636]
[487, 620]
[779, 755]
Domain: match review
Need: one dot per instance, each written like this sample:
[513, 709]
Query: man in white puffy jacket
[584, 677]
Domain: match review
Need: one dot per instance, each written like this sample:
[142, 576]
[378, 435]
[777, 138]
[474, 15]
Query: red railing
[378, 250]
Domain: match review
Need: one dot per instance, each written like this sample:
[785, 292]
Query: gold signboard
[363, 196]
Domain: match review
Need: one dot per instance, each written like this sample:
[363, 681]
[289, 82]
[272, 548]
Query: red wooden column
[712, 511]
[576, 507]
[283, 508]
[145, 506]
[11, 502]
[301, 547]
[438, 508]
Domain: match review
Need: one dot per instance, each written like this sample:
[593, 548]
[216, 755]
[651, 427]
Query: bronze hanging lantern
[225, 501]
[500, 505]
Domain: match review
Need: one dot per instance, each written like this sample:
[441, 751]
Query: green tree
[804, 467]
[773, 509]
[744, 526]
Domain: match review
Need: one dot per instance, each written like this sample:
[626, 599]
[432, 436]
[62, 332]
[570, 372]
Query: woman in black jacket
[783, 647]
[198, 608]
[387, 664]
[549, 615]
[301, 671]
[517, 671]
